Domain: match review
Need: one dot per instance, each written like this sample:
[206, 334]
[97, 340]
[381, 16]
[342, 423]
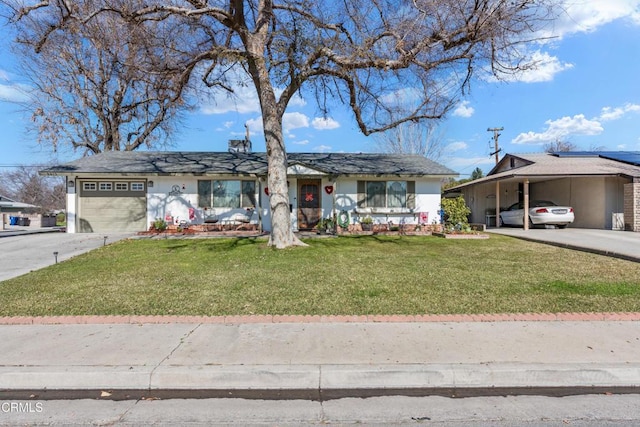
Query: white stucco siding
[175, 196]
[427, 200]
[163, 200]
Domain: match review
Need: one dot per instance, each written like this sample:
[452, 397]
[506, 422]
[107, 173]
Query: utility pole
[496, 135]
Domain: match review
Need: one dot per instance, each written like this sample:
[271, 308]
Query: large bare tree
[25, 184]
[102, 84]
[421, 138]
[390, 61]
[559, 145]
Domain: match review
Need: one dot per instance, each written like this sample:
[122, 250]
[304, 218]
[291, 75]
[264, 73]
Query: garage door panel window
[106, 186]
[89, 186]
[122, 186]
[137, 186]
[226, 194]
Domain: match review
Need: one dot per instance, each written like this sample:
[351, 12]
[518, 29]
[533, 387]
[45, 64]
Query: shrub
[456, 213]
[159, 224]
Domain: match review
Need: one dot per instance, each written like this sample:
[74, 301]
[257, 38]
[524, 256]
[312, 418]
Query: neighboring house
[603, 187]
[8, 205]
[128, 191]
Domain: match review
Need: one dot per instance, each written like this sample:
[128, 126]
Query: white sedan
[541, 212]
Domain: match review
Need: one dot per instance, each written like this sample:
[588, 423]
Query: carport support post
[526, 204]
[497, 204]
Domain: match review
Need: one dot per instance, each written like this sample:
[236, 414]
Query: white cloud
[587, 15]
[243, 100]
[544, 69]
[325, 123]
[609, 113]
[456, 146]
[576, 125]
[302, 142]
[292, 121]
[561, 128]
[255, 126]
[464, 110]
[14, 93]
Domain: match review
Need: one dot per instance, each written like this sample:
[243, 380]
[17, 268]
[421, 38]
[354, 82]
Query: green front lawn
[346, 275]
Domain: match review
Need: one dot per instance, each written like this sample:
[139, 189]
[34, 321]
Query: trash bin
[23, 221]
[48, 221]
[13, 220]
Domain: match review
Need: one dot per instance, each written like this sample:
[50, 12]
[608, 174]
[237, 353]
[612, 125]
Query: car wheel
[561, 226]
[501, 222]
[531, 225]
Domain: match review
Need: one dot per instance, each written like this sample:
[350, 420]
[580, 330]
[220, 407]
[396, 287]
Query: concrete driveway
[619, 244]
[20, 254]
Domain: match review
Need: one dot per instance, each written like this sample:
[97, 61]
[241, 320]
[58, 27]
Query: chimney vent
[239, 146]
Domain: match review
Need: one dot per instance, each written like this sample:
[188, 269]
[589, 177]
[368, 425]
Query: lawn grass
[346, 275]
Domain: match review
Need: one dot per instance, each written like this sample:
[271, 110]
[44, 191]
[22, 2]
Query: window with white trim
[105, 186]
[122, 186]
[89, 186]
[137, 186]
[226, 194]
[386, 194]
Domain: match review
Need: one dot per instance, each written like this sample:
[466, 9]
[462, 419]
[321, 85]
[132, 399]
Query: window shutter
[362, 197]
[411, 194]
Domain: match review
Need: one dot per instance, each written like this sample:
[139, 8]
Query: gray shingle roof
[199, 163]
[548, 165]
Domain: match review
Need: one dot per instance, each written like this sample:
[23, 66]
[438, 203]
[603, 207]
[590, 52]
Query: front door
[309, 209]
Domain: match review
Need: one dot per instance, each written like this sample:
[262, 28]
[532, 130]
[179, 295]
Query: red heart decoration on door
[329, 189]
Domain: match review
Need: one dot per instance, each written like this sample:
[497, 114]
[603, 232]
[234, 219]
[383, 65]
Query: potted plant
[366, 223]
[322, 226]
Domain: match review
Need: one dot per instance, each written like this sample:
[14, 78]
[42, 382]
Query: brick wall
[632, 206]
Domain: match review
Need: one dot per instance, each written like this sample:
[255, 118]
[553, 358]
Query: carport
[604, 193]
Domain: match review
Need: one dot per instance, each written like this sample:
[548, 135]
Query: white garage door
[105, 206]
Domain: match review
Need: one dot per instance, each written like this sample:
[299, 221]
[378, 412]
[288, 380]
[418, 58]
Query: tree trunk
[282, 235]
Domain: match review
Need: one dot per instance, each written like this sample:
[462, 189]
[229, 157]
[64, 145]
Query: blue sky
[586, 90]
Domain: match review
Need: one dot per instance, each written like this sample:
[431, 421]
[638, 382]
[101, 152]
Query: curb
[319, 382]
[454, 318]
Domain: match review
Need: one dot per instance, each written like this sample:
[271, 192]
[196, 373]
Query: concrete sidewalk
[318, 361]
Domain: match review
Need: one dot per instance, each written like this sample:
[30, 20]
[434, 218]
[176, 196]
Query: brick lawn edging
[456, 318]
